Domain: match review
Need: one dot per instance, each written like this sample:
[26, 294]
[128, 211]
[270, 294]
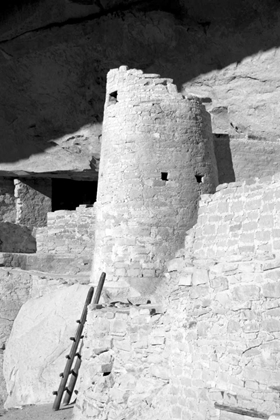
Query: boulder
[39, 341]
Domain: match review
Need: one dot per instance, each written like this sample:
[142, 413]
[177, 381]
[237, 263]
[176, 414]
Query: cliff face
[54, 56]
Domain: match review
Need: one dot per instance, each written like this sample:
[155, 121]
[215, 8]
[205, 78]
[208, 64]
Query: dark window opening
[199, 178]
[68, 194]
[113, 97]
[106, 373]
[164, 176]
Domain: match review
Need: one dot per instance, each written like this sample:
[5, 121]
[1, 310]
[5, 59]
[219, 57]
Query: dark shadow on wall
[16, 238]
[53, 77]
[223, 158]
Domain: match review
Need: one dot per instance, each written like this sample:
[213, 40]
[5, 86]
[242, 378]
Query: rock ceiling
[54, 56]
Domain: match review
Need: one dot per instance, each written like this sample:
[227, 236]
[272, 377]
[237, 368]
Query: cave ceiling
[54, 56]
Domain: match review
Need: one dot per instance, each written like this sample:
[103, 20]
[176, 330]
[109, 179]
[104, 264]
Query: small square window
[164, 176]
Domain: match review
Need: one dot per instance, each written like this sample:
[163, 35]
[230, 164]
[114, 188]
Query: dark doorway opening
[68, 194]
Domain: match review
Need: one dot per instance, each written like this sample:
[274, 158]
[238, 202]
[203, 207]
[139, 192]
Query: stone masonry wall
[120, 373]
[33, 201]
[213, 351]
[239, 218]
[68, 232]
[7, 201]
[24, 204]
[157, 158]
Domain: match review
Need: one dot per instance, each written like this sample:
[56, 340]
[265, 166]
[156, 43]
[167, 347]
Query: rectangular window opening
[164, 176]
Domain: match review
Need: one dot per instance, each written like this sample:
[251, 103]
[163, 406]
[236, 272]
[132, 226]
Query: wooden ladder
[65, 385]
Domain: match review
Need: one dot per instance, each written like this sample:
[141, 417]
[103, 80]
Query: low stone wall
[68, 232]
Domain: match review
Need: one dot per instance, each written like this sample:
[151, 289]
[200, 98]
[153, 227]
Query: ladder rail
[74, 372]
[71, 355]
[73, 352]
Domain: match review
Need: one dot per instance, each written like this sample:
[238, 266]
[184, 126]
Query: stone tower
[156, 159]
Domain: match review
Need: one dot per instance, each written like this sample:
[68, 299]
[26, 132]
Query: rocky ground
[37, 412]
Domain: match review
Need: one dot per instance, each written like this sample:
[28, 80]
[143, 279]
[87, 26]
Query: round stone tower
[157, 158]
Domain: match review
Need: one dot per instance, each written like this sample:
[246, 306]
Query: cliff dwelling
[140, 139]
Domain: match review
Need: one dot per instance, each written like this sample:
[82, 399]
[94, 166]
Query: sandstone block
[160, 372]
[271, 325]
[36, 350]
[123, 345]
[233, 326]
[270, 264]
[200, 276]
[177, 264]
[271, 289]
[219, 283]
[246, 292]
[157, 340]
[185, 280]
[141, 343]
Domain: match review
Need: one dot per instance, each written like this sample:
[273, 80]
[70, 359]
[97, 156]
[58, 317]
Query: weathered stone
[271, 290]
[271, 325]
[185, 280]
[246, 292]
[219, 283]
[200, 276]
[177, 264]
[160, 372]
[36, 350]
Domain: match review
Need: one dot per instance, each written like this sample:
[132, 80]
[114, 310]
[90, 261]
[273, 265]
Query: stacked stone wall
[157, 158]
[213, 351]
[125, 365]
[239, 218]
[68, 232]
[24, 204]
[212, 354]
[225, 315]
[7, 201]
[33, 201]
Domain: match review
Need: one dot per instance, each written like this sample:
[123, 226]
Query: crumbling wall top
[124, 83]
